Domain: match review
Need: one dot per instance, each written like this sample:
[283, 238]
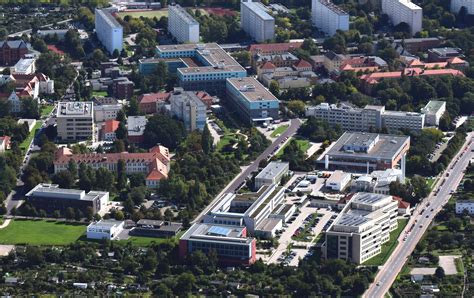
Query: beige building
[75, 121]
[361, 228]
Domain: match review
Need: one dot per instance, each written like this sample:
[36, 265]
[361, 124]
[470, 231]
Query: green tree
[30, 108]
[64, 179]
[439, 273]
[121, 175]
[206, 140]
[72, 168]
[133, 108]
[274, 88]
[165, 130]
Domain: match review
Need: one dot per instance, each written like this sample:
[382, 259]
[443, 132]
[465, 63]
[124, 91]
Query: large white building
[328, 17]
[75, 121]
[404, 11]
[360, 229]
[433, 111]
[108, 30]
[367, 119]
[186, 106]
[182, 25]
[104, 229]
[255, 20]
[456, 6]
[272, 174]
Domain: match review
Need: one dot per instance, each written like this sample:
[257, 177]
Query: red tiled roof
[280, 47]
[5, 140]
[415, 62]
[373, 78]
[268, 65]
[153, 97]
[110, 126]
[54, 49]
[456, 60]
[401, 203]
[303, 63]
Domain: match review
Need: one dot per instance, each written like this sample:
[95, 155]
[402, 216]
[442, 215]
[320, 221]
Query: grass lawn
[41, 232]
[226, 139]
[459, 266]
[279, 130]
[26, 143]
[146, 14]
[387, 247]
[430, 182]
[302, 144]
[100, 93]
[46, 110]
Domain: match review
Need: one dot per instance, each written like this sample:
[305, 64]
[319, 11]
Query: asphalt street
[421, 219]
[234, 184]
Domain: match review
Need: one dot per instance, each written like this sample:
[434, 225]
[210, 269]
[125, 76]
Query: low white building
[24, 66]
[271, 174]
[433, 111]
[338, 180]
[104, 229]
[462, 205]
[30, 122]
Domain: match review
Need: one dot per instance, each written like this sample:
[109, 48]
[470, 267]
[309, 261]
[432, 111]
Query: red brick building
[11, 51]
[149, 103]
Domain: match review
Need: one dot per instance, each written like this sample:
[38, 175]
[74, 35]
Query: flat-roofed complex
[252, 100]
[360, 229]
[404, 11]
[182, 25]
[272, 173]
[209, 66]
[75, 121]
[24, 66]
[328, 17]
[367, 152]
[456, 6]
[50, 197]
[104, 229]
[156, 228]
[433, 111]
[255, 20]
[154, 164]
[367, 119]
[229, 242]
[108, 30]
[188, 107]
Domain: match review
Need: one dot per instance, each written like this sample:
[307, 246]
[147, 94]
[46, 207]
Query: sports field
[146, 14]
[41, 232]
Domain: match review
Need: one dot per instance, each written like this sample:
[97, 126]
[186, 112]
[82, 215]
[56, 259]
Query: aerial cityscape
[247, 148]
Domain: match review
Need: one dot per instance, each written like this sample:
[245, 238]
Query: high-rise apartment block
[328, 17]
[456, 6]
[255, 20]
[186, 106]
[108, 30]
[404, 11]
[182, 25]
[75, 121]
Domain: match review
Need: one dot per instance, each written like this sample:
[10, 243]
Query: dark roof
[15, 44]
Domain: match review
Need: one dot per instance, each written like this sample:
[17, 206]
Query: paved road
[420, 222]
[20, 33]
[234, 184]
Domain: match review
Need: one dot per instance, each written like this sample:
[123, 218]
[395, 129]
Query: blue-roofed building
[207, 66]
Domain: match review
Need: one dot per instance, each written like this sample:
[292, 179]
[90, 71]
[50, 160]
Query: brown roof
[277, 47]
[302, 63]
[153, 97]
[110, 126]
[268, 65]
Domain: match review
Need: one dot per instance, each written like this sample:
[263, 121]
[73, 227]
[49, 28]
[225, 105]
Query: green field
[100, 93]
[26, 143]
[279, 130]
[41, 232]
[146, 14]
[302, 144]
[46, 110]
[388, 247]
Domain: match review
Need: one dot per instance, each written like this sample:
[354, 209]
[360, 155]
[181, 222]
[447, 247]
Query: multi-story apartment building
[396, 120]
[12, 50]
[231, 243]
[182, 25]
[136, 128]
[122, 88]
[251, 100]
[404, 11]
[105, 108]
[107, 131]
[255, 20]
[75, 121]
[186, 106]
[456, 6]
[154, 164]
[208, 68]
[367, 152]
[272, 174]
[151, 103]
[108, 30]
[50, 198]
[328, 17]
[433, 111]
[360, 229]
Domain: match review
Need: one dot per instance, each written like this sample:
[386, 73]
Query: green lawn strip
[459, 265]
[146, 14]
[225, 140]
[46, 110]
[279, 130]
[302, 144]
[99, 93]
[41, 232]
[430, 182]
[388, 246]
[26, 143]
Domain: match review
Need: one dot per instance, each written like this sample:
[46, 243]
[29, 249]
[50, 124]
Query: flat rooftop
[251, 89]
[216, 233]
[183, 14]
[333, 7]
[387, 146]
[53, 190]
[368, 198]
[273, 169]
[108, 17]
[259, 9]
[109, 223]
[74, 109]
[433, 106]
[446, 51]
[23, 64]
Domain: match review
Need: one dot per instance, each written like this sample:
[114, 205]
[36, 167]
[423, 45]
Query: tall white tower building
[108, 30]
[255, 20]
[404, 11]
[328, 17]
[182, 25]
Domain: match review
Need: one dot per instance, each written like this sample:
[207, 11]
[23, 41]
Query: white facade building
[404, 11]
[104, 229]
[328, 17]
[272, 174]
[182, 25]
[361, 228]
[108, 30]
[24, 66]
[433, 111]
[75, 121]
[255, 20]
[456, 6]
[462, 205]
[338, 180]
[186, 106]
